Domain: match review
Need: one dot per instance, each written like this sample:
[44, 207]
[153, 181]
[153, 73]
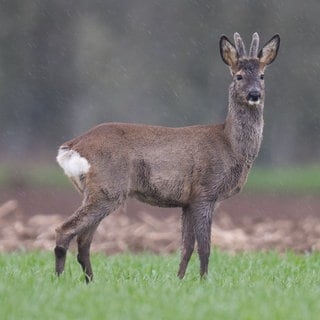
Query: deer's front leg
[202, 228]
[188, 240]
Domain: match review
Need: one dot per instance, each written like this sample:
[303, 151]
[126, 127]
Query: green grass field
[245, 286]
[288, 180]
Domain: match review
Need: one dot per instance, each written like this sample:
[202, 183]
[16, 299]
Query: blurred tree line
[68, 65]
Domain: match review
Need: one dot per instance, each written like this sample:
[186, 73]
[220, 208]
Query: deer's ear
[270, 50]
[228, 52]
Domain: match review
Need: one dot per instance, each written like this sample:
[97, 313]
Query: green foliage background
[66, 66]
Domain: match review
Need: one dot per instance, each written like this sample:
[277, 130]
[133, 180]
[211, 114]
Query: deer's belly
[158, 200]
[160, 184]
[163, 191]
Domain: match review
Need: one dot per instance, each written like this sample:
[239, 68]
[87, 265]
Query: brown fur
[191, 167]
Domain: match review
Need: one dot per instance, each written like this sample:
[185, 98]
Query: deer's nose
[253, 96]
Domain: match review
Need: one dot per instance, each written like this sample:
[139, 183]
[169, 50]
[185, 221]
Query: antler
[241, 50]
[253, 53]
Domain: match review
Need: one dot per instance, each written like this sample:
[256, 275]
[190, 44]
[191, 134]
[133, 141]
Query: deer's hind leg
[84, 242]
[83, 224]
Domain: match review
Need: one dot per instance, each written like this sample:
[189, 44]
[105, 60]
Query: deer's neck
[243, 128]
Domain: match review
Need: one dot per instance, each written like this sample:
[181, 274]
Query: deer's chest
[233, 180]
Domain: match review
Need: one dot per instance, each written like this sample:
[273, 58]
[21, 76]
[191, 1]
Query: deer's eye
[239, 77]
[262, 76]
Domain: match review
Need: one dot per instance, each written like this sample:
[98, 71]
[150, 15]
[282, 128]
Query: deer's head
[247, 87]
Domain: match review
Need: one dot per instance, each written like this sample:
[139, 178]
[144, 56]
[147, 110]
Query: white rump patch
[72, 163]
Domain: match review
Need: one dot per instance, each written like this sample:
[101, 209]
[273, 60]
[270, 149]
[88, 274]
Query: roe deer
[191, 167]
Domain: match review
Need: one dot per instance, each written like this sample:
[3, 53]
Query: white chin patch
[72, 163]
[254, 103]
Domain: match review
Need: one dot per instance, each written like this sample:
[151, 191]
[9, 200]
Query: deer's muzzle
[253, 96]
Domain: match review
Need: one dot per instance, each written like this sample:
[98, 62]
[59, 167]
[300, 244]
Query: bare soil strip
[28, 219]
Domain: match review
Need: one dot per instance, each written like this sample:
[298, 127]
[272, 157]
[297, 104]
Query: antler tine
[239, 45]
[253, 53]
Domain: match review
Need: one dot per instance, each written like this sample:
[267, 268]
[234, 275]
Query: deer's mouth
[254, 102]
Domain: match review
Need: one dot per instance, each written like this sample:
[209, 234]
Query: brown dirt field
[246, 222]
